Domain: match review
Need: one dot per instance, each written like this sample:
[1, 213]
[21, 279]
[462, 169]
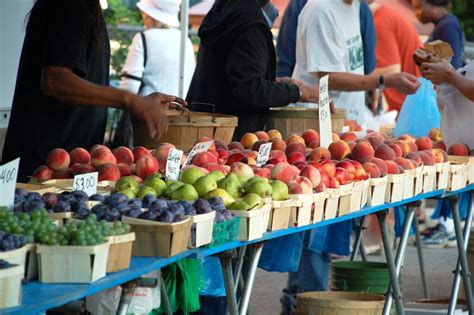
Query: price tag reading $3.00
[199, 147]
[263, 154]
[325, 126]
[8, 177]
[173, 163]
[86, 183]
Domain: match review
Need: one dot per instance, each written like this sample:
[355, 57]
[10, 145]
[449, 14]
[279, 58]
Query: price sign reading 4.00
[263, 154]
[86, 183]
[173, 164]
[8, 177]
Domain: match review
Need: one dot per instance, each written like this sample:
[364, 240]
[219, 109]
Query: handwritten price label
[173, 163]
[8, 177]
[199, 147]
[263, 154]
[86, 183]
[325, 127]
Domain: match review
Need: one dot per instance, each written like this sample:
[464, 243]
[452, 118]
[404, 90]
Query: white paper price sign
[199, 147]
[8, 177]
[263, 154]
[325, 127]
[173, 163]
[86, 183]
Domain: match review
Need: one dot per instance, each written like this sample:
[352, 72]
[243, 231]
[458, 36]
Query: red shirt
[397, 40]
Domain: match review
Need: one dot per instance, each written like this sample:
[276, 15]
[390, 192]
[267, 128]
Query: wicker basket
[185, 128]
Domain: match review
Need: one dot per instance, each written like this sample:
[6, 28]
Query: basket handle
[213, 106]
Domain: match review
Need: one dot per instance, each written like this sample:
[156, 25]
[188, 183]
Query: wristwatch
[381, 83]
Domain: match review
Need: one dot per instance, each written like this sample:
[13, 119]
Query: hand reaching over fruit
[308, 93]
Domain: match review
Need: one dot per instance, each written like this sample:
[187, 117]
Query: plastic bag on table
[419, 113]
[371, 122]
[282, 254]
[144, 300]
[105, 302]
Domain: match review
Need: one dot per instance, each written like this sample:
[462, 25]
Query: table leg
[253, 264]
[359, 227]
[226, 265]
[462, 267]
[421, 261]
[392, 266]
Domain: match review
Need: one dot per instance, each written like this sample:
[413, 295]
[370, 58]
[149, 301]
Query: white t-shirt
[328, 39]
[162, 65]
[457, 114]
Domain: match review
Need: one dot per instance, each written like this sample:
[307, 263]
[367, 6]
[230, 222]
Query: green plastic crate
[224, 232]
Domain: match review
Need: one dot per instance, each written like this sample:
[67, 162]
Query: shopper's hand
[437, 73]
[404, 82]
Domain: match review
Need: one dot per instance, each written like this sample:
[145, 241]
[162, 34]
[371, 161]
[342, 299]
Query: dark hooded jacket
[236, 66]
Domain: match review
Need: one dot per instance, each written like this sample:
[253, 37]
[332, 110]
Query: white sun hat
[165, 11]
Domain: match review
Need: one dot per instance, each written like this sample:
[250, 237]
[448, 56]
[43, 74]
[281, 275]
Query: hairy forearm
[64, 85]
[463, 84]
[349, 82]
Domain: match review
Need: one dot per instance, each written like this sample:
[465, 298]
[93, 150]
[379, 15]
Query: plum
[82, 213]
[148, 199]
[116, 199]
[133, 213]
[100, 210]
[19, 198]
[97, 197]
[149, 215]
[33, 196]
[80, 195]
[177, 209]
[167, 216]
[112, 215]
[217, 203]
[50, 200]
[202, 206]
[21, 192]
[19, 207]
[66, 198]
[159, 204]
[135, 202]
[122, 208]
[61, 206]
[34, 204]
[76, 205]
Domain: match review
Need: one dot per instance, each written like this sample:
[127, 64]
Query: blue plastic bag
[400, 212]
[443, 208]
[282, 254]
[213, 277]
[334, 238]
[419, 113]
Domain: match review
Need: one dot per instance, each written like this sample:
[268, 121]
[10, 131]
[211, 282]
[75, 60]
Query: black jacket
[236, 66]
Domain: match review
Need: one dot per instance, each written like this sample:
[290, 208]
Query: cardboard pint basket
[120, 252]
[459, 174]
[16, 257]
[280, 215]
[301, 211]
[10, 284]
[185, 128]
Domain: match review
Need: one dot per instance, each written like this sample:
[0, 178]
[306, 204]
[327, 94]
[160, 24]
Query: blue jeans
[312, 275]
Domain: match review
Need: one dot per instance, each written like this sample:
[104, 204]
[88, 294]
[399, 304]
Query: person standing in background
[397, 39]
[286, 43]
[447, 26]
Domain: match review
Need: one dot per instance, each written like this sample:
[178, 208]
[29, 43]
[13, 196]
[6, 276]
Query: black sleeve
[66, 41]
[246, 70]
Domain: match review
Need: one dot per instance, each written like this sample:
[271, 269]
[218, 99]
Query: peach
[278, 144]
[295, 147]
[236, 157]
[424, 143]
[329, 167]
[274, 134]
[262, 136]
[392, 167]
[300, 185]
[43, 173]
[243, 171]
[335, 137]
[147, 165]
[348, 136]
[256, 145]
[296, 157]
[414, 156]
[320, 188]
[360, 172]
[324, 178]
[123, 155]
[440, 156]
[295, 138]
[384, 152]
[235, 145]
[396, 148]
[217, 167]
[137, 179]
[342, 176]
[108, 171]
[80, 155]
[204, 158]
[98, 146]
[459, 149]
[251, 161]
[262, 172]
[250, 154]
[363, 152]
[124, 169]
[319, 154]
[300, 165]
[216, 154]
[139, 152]
[435, 134]
[269, 166]
[372, 169]
[282, 171]
[102, 156]
[79, 168]
[58, 159]
[404, 146]
[339, 150]
[296, 171]
[313, 144]
[223, 155]
[375, 141]
[333, 182]
[312, 174]
[309, 136]
[278, 154]
[405, 163]
[220, 145]
[426, 158]
[349, 167]
[382, 165]
[248, 140]
[407, 138]
[351, 145]
[65, 173]
[207, 139]
[439, 145]
[161, 153]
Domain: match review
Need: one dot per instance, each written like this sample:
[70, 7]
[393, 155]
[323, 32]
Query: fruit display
[11, 241]
[30, 225]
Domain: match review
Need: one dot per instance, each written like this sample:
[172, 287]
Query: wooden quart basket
[185, 128]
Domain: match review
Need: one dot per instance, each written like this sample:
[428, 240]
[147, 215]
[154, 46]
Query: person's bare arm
[64, 85]
[396, 68]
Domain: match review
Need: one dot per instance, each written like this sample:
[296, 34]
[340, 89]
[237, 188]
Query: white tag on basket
[8, 177]
[325, 126]
[86, 183]
[173, 163]
[264, 153]
[199, 147]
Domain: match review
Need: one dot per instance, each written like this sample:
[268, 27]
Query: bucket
[186, 128]
[339, 303]
[296, 119]
[360, 276]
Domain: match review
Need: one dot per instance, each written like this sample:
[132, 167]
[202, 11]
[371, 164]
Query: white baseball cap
[165, 11]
